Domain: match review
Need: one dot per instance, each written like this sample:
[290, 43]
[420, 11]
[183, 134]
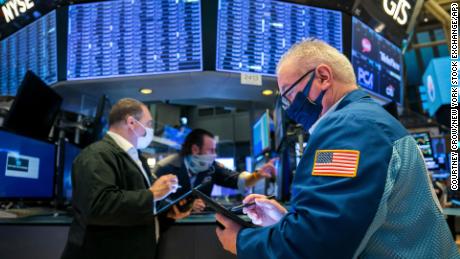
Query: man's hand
[198, 205]
[227, 236]
[264, 212]
[164, 186]
[268, 170]
[176, 214]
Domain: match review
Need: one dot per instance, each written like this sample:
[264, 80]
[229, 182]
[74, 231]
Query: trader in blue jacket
[361, 188]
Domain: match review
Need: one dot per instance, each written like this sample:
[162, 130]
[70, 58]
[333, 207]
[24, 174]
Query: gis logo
[366, 45]
[365, 78]
[397, 10]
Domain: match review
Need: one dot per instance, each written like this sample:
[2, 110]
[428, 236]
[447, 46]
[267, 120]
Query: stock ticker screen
[377, 63]
[253, 35]
[133, 37]
[31, 48]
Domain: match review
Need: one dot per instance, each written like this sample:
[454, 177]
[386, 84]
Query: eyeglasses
[284, 100]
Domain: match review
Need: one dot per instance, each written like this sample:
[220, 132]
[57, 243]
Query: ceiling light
[267, 92]
[145, 91]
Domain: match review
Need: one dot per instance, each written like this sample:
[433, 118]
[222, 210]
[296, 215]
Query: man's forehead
[289, 72]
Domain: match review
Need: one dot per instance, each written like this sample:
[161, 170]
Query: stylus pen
[239, 207]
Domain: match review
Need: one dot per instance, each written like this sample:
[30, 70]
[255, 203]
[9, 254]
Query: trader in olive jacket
[113, 191]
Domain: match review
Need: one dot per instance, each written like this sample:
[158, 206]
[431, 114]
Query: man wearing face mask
[196, 164]
[114, 194]
[361, 188]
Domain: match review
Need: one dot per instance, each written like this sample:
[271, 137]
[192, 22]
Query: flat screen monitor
[34, 48]
[439, 149]
[261, 186]
[279, 123]
[27, 167]
[71, 151]
[377, 63]
[34, 109]
[424, 142]
[128, 38]
[176, 135]
[261, 134]
[228, 162]
[253, 35]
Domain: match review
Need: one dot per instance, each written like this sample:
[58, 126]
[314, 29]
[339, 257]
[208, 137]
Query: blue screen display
[176, 135]
[70, 153]
[27, 167]
[127, 37]
[253, 35]
[261, 134]
[31, 48]
[377, 63]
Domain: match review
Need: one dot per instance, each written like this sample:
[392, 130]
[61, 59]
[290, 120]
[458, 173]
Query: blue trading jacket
[387, 210]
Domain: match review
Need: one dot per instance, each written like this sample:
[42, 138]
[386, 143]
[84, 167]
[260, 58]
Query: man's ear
[195, 149]
[129, 121]
[325, 76]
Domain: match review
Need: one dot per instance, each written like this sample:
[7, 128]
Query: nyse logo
[14, 8]
[366, 45]
[397, 10]
[390, 91]
[365, 78]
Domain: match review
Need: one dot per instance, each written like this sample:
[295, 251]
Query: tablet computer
[170, 203]
[222, 210]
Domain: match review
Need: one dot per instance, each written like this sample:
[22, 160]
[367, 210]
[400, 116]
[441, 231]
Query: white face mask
[144, 141]
[199, 163]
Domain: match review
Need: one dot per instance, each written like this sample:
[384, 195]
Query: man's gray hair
[313, 52]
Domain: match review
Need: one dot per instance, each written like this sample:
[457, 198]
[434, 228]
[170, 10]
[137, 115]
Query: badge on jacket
[338, 163]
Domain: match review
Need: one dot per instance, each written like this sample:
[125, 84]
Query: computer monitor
[228, 162]
[34, 109]
[279, 123]
[27, 168]
[261, 186]
[70, 152]
[424, 142]
[261, 134]
[439, 149]
[176, 135]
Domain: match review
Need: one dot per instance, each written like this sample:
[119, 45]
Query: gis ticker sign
[12, 9]
[398, 10]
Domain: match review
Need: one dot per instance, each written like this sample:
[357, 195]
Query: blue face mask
[302, 110]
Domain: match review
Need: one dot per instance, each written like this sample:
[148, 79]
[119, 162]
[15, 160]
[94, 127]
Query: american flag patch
[341, 163]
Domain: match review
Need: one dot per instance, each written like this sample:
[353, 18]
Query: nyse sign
[397, 10]
[14, 8]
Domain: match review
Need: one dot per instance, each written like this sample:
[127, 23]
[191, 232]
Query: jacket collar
[351, 97]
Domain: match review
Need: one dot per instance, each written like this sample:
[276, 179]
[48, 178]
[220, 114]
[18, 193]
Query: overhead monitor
[261, 134]
[32, 48]
[34, 109]
[27, 168]
[377, 63]
[253, 35]
[127, 38]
